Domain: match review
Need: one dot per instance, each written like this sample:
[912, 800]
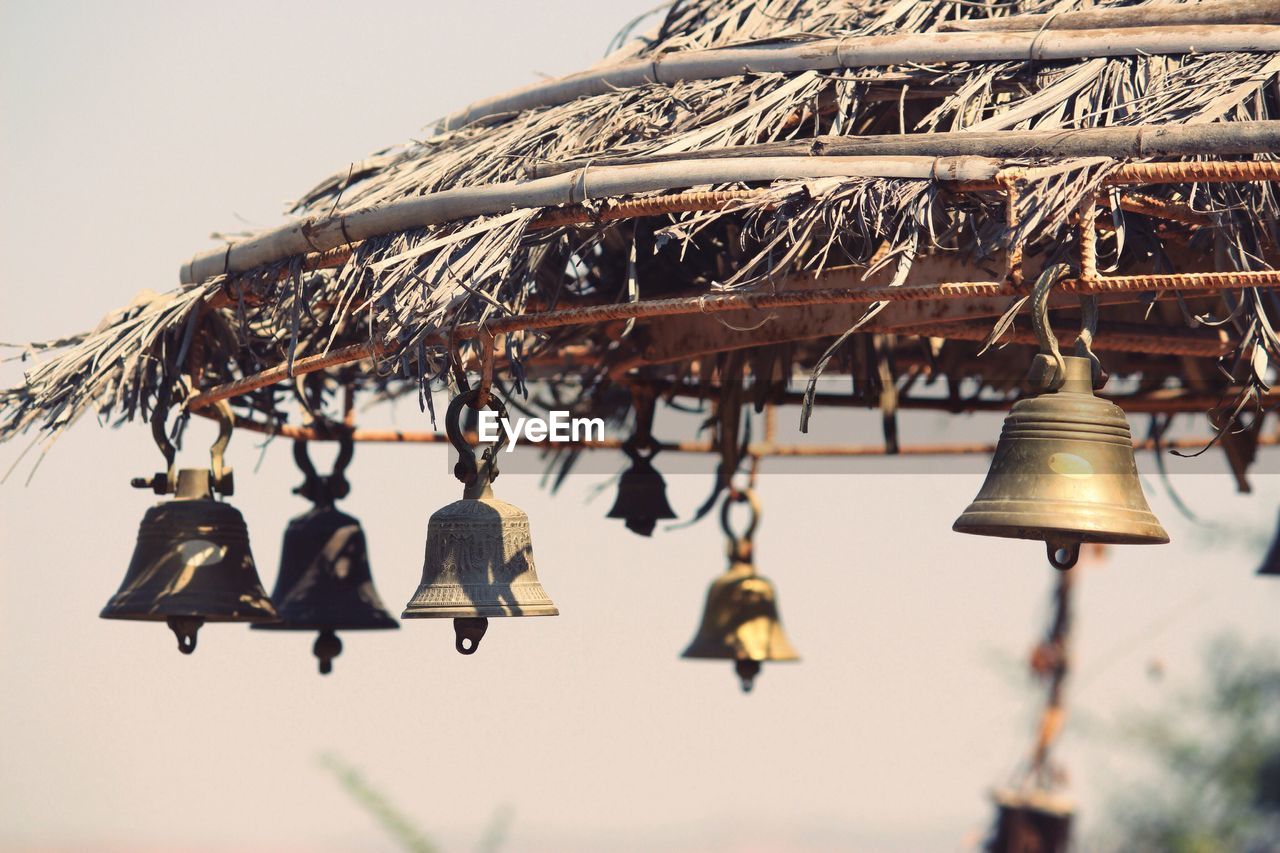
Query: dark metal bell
[479, 554]
[192, 565]
[1030, 822]
[1064, 472]
[740, 620]
[1271, 562]
[642, 496]
[324, 583]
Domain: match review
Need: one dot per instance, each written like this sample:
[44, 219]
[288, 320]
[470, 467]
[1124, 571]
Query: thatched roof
[519, 205]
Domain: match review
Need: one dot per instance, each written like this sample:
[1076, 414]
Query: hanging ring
[466, 469]
[321, 489]
[740, 545]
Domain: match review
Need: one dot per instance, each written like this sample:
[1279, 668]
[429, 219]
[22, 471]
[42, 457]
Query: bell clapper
[185, 628]
[326, 648]
[468, 631]
[747, 671]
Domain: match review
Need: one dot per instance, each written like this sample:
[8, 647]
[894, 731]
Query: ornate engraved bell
[740, 620]
[1271, 562]
[479, 555]
[1064, 472]
[642, 493]
[324, 582]
[192, 563]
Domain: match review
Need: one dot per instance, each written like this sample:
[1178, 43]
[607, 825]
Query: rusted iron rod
[758, 449]
[720, 302]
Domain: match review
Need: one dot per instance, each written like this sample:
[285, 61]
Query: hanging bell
[1063, 470]
[740, 620]
[1030, 822]
[324, 582]
[1271, 562]
[642, 493]
[192, 563]
[479, 556]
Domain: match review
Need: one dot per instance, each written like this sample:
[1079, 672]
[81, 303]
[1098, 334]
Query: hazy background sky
[133, 130]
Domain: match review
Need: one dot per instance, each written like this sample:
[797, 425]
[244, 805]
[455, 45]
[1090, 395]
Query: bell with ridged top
[325, 584]
[479, 554]
[740, 621]
[1063, 470]
[192, 563]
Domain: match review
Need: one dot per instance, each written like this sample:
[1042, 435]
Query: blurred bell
[1030, 822]
[642, 495]
[479, 555]
[1064, 472]
[740, 620]
[1271, 562]
[192, 565]
[324, 582]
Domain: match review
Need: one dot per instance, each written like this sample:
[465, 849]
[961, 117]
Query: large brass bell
[1271, 562]
[192, 563]
[642, 493]
[324, 583]
[1063, 470]
[479, 556]
[1030, 822]
[740, 621]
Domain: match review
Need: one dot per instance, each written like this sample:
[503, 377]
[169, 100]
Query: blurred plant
[396, 824]
[1219, 760]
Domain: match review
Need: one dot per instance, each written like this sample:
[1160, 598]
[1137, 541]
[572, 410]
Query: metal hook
[466, 469]
[740, 546]
[1049, 369]
[325, 489]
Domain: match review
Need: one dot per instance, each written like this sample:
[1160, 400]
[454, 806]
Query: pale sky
[131, 132]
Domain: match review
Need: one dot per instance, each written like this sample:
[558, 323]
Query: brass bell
[1271, 562]
[324, 582]
[642, 493]
[740, 620]
[1063, 470]
[479, 555]
[192, 563]
[1030, 822]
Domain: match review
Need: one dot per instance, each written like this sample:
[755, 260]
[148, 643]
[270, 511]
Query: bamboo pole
[1145, 15]
[868, 51]
[1140, 141]
[320, 235]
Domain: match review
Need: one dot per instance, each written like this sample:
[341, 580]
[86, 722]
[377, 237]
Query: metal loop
[325, 489]
[466, 470]
[1084, 342]
[161, 436]
[741, 544]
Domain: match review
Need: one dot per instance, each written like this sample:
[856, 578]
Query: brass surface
[1064, 472]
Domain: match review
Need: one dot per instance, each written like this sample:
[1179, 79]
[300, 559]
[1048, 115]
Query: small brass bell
[1271, 562]
[192, 563]
[740, 621]
[1063, 470]
[324, 583]
[1030, 822]
[479, 555]
[642, 493]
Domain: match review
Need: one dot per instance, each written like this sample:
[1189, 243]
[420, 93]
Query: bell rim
[491, 610]
[285, 625]
[195, 614]
[1041, 526]
[687, 655]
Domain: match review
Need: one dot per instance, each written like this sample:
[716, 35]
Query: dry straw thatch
[520, 205]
